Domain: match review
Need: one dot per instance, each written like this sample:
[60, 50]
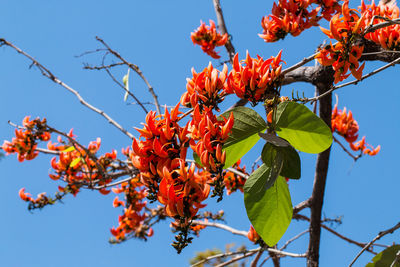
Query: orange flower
[387, 37]
[344, 124]
[24, 196]
[344, 55]
[252, 235]
[255, 78]
[289, 17]
[25, 141]
[208, 38]
[205, 88]
[234, 182]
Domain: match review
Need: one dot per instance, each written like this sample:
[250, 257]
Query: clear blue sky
[156, 36]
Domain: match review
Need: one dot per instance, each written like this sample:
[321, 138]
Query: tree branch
[380, 235]
[136, 69]
[47, 73]
[355, 158]
[221, 226]
[351, 241]
[321, 172]
[222, 27]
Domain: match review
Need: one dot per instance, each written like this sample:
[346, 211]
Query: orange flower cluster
[328, 8]
[234, 182]
[208, 38]
[344, 55]
[132, 222]
[205, 88]
[344, 124]
[289, 16]
[208, 136]
[388, 37]
[160, 157]
[255, 78]
[76, 165]
[25, 141]
[41, 199]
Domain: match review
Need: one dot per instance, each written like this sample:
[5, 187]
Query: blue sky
[155, 35]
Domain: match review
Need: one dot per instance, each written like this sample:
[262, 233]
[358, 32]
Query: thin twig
[223, 255]
[237, 259]
[333, 88]
[351, 241]
[222, 27]
[88, 67]
[381, 25]
[380, 235]
[222, 226]
[287, 244]
[257, 258]
[302, 205]
[355, 158]
[299, 64]
[136, 69]
[115, 183]
[47, 73]
[122, 86]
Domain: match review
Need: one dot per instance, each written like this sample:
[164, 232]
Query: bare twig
[302, 205]
[381, 25]
[221, 226]
[257, 258]
[333, 88]
[329, 229]
[47, 73]
[102, 67]
[287, 244]
[298, 65]
[222, 27]
[136, 69]
[223, 255]
[380, 235]
[355, 158]
[115, 183]
[237, 258]
[123, 87]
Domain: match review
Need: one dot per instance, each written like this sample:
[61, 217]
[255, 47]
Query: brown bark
[323, 84]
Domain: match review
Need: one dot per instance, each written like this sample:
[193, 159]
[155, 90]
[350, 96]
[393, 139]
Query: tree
[219, 143]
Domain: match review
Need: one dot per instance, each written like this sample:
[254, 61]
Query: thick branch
[321, 172]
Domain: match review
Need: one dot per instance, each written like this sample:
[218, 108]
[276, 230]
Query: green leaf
[75, 162]
[291, 160]
[244, 135]
[270, 211]
[385, 258]
[304, 130]
[125, 80]
[238, 150]
[69, 149]
[259, 181]
[197, 158]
